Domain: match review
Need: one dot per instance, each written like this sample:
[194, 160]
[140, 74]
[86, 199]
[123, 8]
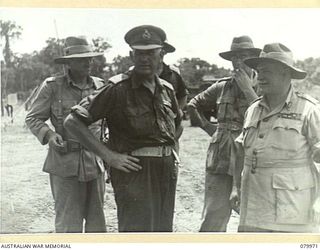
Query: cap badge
[146, 34]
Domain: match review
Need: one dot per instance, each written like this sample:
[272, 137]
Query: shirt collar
[90, 82]
[136, 82]
[288, 102]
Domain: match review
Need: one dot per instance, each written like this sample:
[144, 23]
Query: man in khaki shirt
[76, 174]
[281, 141]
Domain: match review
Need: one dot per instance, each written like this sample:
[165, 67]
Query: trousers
[78, 205]
[217, 209]
[145, 199]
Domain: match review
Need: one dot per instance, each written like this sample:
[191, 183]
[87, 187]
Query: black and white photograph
[160, 120]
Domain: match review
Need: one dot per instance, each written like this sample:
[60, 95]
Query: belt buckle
[163, 151]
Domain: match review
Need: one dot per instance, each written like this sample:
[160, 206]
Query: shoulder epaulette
[307, 97]
[167, 84]
[175, 69]
[55, 78]
[51, 79]
[118, 78]
[224, 79]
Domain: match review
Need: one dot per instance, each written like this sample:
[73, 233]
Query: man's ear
[162, 53]
[131, 55]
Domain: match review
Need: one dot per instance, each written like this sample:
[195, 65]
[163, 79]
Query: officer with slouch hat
[280, 183]
[76, 174]
[229, 97]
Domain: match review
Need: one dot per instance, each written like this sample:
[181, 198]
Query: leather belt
[157, 151]
[230, 126]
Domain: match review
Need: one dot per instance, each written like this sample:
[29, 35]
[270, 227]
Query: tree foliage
[23, 72]
[311, 84]
[9, 30]
[193, 70]
[118, 65]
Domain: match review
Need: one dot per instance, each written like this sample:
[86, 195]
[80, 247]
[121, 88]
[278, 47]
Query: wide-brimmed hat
[240, 43]
[168, 48]
[277, 52]
[76, 47]
[145, 37]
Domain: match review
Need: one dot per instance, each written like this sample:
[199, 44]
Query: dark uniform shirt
[173, 76]
[136, 117]
[53, 101]
[230, 104]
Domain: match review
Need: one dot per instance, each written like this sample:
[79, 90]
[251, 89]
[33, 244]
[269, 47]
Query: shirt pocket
[225, 107]
[286, 134]
[63, 109]
[293, 197]
[169, 116]
[140, 120]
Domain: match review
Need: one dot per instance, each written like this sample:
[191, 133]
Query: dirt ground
[27, 204]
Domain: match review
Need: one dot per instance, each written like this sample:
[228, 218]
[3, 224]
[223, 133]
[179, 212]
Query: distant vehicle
[207, 81]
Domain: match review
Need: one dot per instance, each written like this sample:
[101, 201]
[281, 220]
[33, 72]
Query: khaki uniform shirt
[230, 104]
[53, 101]
[279, 176]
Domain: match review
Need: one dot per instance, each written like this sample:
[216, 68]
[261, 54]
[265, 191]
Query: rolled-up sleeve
[312, 127]
[97, 105]
[40, 112]
[207, 99]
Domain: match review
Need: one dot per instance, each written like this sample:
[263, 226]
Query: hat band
[77, 49]
[242, 45]
[285, 57]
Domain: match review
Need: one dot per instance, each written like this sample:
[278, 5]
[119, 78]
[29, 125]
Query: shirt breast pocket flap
[288, 124]
[293, 197]
[67, 105]
[298, 181]
[136, 112]
[286, 134]
[225, 100]
[64, 108]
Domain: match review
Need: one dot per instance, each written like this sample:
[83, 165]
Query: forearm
[39, 128]
[250, 95]
[198, 119]
[238, 166]
[80, 131]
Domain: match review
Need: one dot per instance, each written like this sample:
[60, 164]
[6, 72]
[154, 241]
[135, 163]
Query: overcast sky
[195, 32]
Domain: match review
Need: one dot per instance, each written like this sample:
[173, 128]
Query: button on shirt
[136, 117]
[279, 176]
[47, 105]
[230, 105]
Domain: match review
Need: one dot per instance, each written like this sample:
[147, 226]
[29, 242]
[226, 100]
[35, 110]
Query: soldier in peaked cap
[281, 142]
[229, 97]
[76, 174]
[142, 114]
